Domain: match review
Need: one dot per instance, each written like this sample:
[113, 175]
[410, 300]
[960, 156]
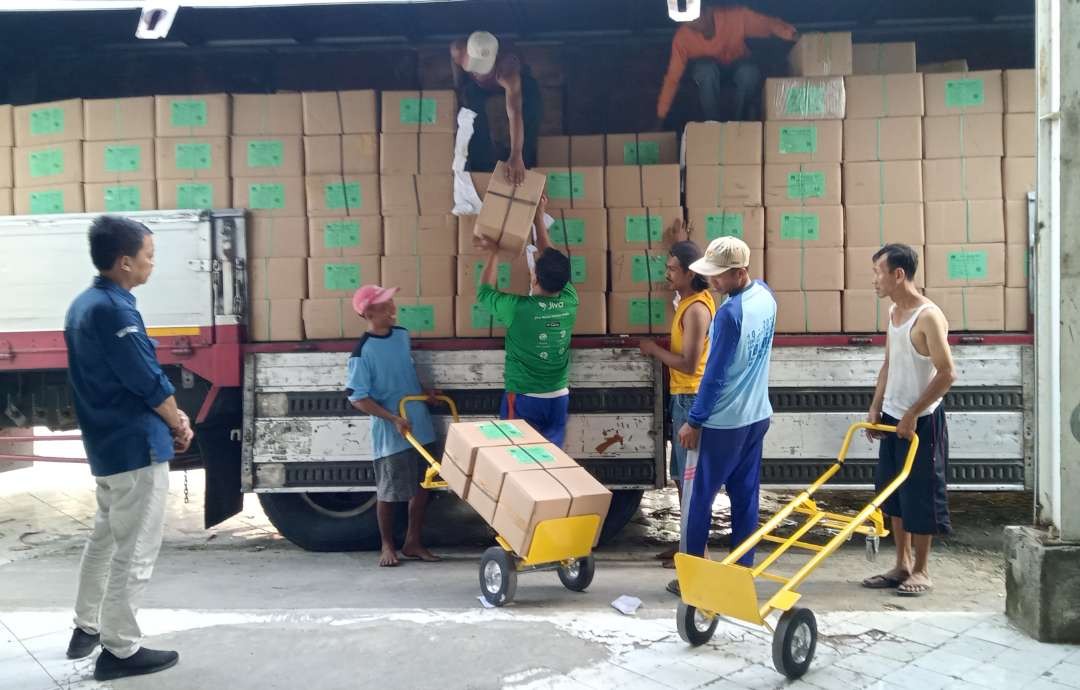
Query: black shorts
[921, 502]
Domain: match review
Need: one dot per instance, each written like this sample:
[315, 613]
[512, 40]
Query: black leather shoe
[142, 662]
[82, 644]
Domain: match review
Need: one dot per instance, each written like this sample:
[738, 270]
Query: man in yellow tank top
[689, 348]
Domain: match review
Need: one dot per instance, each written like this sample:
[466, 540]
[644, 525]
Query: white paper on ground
[466, 201]
[485, 603]
[627, 604]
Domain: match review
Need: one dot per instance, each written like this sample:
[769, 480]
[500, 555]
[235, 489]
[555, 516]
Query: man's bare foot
[388, 558]
[888, 580]
[915, 586]
[418, 552]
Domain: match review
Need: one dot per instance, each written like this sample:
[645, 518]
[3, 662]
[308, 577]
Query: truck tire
[624, 506]
[319, 521]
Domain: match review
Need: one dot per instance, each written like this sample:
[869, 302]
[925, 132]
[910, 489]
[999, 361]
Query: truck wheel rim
[492, 577]
[800, 643]
[339, 513]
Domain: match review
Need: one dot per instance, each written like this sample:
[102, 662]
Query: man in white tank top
[918, 371]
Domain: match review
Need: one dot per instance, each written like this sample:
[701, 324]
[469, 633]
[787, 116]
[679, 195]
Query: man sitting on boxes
[381, 373]
[538, 329]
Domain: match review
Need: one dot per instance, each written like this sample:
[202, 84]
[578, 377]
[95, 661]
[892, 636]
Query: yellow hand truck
[560, 544]
[711, 589]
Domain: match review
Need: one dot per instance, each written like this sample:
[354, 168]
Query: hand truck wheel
[579, 574]
[794, 642]
[695, 628]
[498, 576]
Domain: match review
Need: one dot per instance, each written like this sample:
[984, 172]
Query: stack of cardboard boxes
[192, 151]
[118, 155]
[1018, 179]
[48, 158]
[7, 142]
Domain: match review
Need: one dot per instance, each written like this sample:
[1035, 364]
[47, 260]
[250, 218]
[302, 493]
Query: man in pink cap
[381, 372]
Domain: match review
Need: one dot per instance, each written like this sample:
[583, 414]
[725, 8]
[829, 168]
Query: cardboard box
[574, 187]
[967, 92]
[346, 236]
[1017, 265]
[339, 112]
[792, 227]
[726, 185]
[723, 143]
[971, 308]
[1020, 134]
[805, 98]
[578, 229]
[464, 439]
[822, 54]
[507, 215]
[196, 194]
[960, 65]
[263, 114]
[416, 152]
[862, 311]
[1016, 222]
[640, 270]
[746, 223]
[192, 158]
[267, 156]
[859, 268]
[888, 95]
[7, 126]
[644, 148]
[1017, 178]
[54, 164]
[326, 319]
[588, 271]
[801, 184]
[1019, 90]
[277, 278]
[48, 123]
[275, 320]
[468, 243]
[879, 224]
[202, 115]
[587, 496]
[341, 153]
[118, 118]
[494, 464]
[640, 228]
[633, 186]
[566, 151]
[483, 504]
[7, 202]
[120, 197]
[474, 321]
[341, 276]
[965, 265]
[269, 237]
[457, 481]
[1017, 309]
[7, 172]
[792, 270]
[276, 196]
[413, 111]
[592, 311]
[958, 179]
[633, 313]
[804, 142]
[423, 235]
[60, 198]
[883, 182]
[959, 136]
[511, 275]
[417, 195]
[883, 139]
[807, 312]
[116, 161]
[342, 195]
[427, 276]
[883, 58]
[961, 222]
[426, 317]
[528, 499]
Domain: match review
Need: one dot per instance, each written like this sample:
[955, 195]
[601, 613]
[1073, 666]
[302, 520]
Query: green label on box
[964, 93]
[47, 121]
[641, 153]
[266, 195]
[723, 225]
[46, 163]
[123, 158]
[193, 157]
[51, 201]
[570, 231]
[192, 195]
[265, 153]
[502, 274]
[482, 318]
[565, 185]
[417, 318]
[189, 113]
[123, 199]
[346, 195]
[967, 265]
[578, 271]
[800, 226]
[341, 277]
[499, 430]
[806, 185]
[418, 111]
[798, 139]
[343, 233]
[529, 454]
[644, 229]
[650, 269]
[807, 100]
[644, 311]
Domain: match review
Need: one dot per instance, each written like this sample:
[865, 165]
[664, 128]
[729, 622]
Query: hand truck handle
[402, 412]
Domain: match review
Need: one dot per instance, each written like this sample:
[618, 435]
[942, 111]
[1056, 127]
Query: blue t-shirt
[382, 368]
[734, 391]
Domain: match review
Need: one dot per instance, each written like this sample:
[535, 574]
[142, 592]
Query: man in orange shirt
[716, 43]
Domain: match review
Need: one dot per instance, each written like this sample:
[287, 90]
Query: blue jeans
[680, 411]
[710, 75]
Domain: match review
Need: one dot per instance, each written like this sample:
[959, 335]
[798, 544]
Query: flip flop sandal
[406, 557]
[914, 592]
[668, 565]
[882, 582]
[673, 587]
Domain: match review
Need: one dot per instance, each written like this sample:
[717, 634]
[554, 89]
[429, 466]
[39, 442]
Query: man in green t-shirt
[538, 329]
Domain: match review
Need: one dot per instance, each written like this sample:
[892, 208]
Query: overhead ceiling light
[684, 10]
[156, 19]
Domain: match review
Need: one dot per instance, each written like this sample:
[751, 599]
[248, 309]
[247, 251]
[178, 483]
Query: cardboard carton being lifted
[507, 215]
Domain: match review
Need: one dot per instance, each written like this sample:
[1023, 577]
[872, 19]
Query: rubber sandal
[914, 593]
[673, 587]
[882, 582]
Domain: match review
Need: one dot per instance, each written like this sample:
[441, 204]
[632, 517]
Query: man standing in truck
[917, 373]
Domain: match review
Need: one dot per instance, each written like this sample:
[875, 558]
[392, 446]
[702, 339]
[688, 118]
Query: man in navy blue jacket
[131, 428]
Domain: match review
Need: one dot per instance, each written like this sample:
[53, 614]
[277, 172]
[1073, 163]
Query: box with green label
[952, 93]
[416, 111]
[962, 265]
[802, 184]
[639, 270]
[510, 275]
[465, 439]
[589, 270]
[639, 313]
[198, 193]
[883, 182]
[63, 198]
[859, 267]
[120, 197]
[52, 164]
[277, 278]
[472, 320]
[723, 143]
[723, 185]
[962, 222]
[119, 160]
[645, 148]
[632, 186]
[641, 228]
[577, 229]
[885, 95]
[263, 114]
[403, 153]
[341, 153]
[962, 179]
[118, 118]
[268, 236]
[574, 187]
[192, 158]
[804, 142]
[788, 227]
[805, 268]
[327, 319]
[420, 235]
[971, 308]
[271, 196]
[267, 156]
[805, 98]
[965, 135]
[49, 123]
[426, 317]
[198, 115]
[341, 276]
[417, 195]
[345, 236]
[275, 320]
[822, 54]
[342, 195]
[495, 463]
[561, 151]
[426, 276]
[746, 223]
[592, 312]
[883, 139]
[807, 312]
[340, 112]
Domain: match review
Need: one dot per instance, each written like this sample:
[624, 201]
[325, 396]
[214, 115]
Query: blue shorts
[680, 411]
[546, 415]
